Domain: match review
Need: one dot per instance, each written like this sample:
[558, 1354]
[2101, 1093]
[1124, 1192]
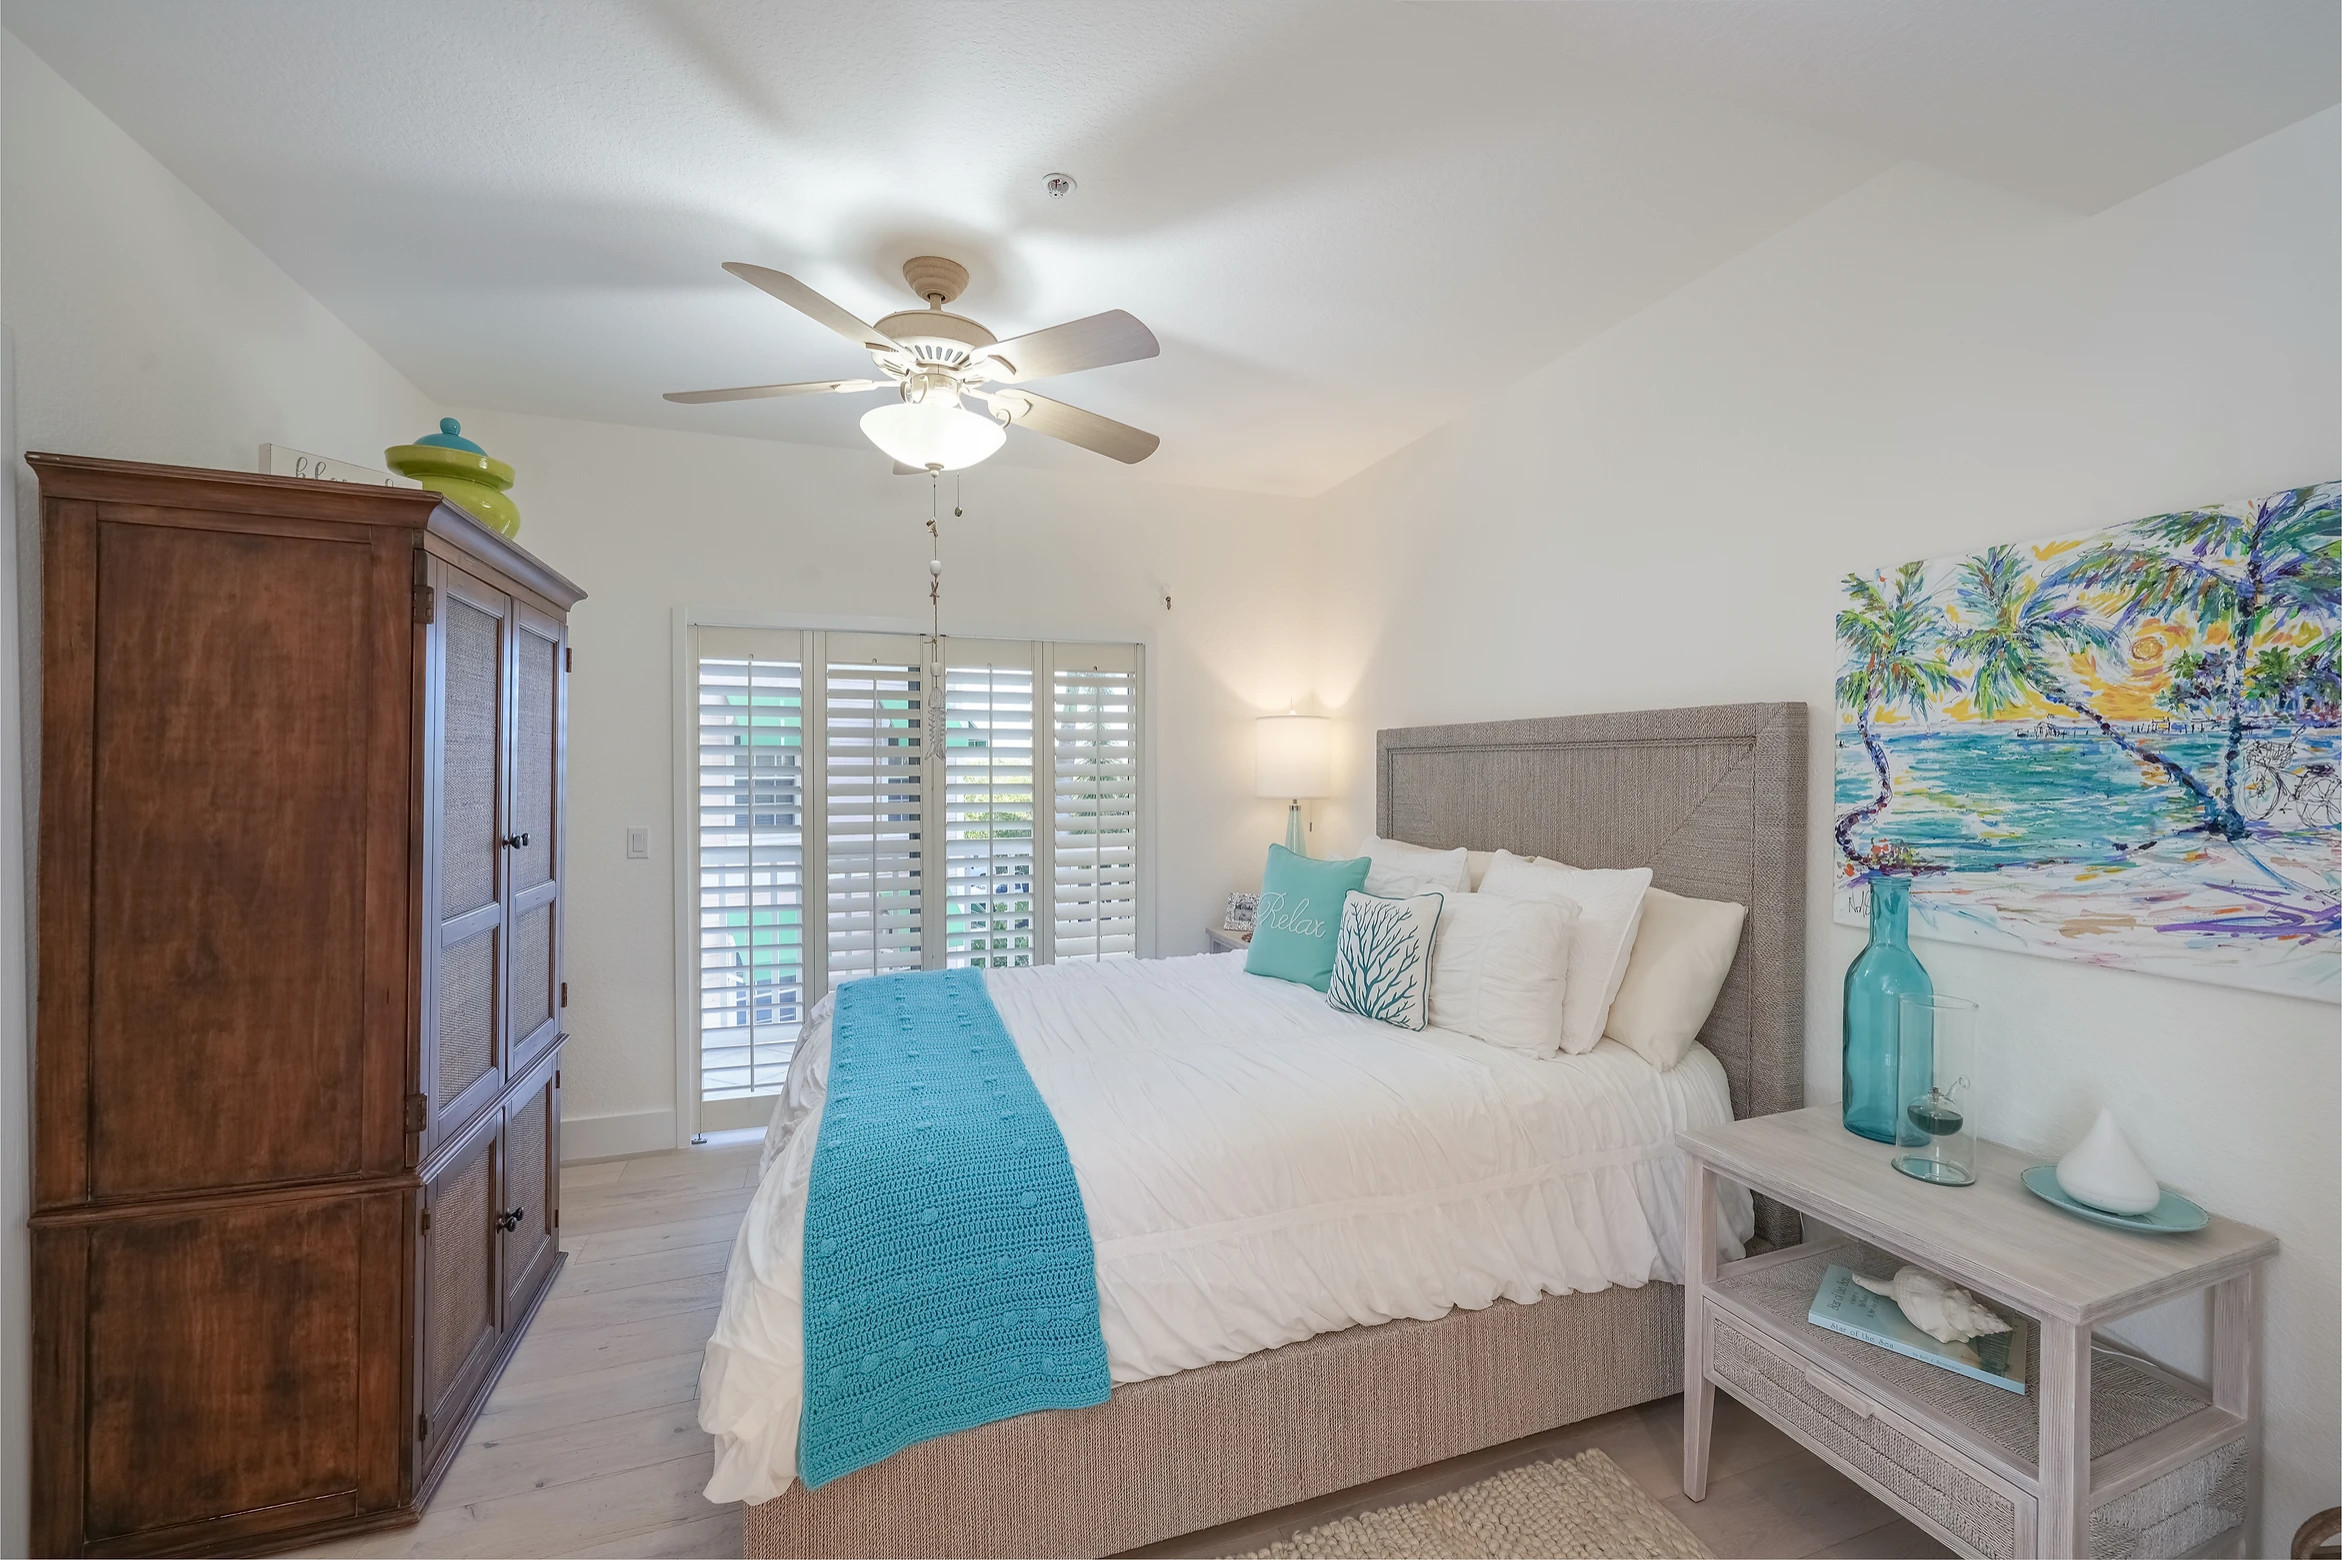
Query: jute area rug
[1577, 1508]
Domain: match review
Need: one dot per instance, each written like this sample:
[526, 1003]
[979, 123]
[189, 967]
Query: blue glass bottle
[1876, 983]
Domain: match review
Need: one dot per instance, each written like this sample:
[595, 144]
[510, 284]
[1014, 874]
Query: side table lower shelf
[1957, 1456]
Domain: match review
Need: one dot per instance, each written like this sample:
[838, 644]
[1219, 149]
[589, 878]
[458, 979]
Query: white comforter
[1258, 1168]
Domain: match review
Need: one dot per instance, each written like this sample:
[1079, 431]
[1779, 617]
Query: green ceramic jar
[457, 469]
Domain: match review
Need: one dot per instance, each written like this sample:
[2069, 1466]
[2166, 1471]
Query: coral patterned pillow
[1382, 957]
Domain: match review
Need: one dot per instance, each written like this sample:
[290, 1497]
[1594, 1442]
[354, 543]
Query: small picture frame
[1243, 909]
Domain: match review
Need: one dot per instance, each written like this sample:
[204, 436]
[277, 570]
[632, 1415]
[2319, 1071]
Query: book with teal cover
[1843, 1306]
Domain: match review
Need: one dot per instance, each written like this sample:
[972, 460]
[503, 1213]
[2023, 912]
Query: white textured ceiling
[1346, 221]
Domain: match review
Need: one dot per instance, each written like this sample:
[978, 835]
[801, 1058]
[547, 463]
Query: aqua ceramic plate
[2174, 1215]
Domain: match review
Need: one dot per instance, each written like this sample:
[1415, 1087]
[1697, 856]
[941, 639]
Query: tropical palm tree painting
[2123, 747]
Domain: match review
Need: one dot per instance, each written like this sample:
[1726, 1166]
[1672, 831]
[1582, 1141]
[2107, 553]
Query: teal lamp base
[1293, 831]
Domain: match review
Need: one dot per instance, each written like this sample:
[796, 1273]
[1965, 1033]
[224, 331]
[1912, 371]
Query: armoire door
[466, 859]
[460, 1283]
[533, 854]
[530, 1215]
[235, 1371]
[223, 860]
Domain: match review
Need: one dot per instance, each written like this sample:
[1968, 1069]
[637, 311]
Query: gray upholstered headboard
[1712, 800]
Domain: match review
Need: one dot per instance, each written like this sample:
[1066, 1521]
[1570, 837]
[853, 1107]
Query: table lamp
[1296, 761]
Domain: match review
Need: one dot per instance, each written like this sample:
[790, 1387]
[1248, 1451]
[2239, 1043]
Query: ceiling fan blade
[813, 305]
[1112, 337]
[759, 392]
[1120, 441]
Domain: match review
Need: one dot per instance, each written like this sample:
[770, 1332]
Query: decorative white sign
[278, 460]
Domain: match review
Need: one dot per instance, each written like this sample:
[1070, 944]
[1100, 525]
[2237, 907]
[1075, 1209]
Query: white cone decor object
[2104, 1171]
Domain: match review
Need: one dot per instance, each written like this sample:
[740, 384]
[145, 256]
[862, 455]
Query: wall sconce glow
[929, 428]
[1296, 760]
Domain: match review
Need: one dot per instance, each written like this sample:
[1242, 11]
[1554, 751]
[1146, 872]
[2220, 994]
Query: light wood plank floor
[590, 1444]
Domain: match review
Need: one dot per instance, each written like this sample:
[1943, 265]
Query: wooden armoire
[297, 1057]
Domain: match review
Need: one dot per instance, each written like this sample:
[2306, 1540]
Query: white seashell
[1945, 1312]
[2104, 1171]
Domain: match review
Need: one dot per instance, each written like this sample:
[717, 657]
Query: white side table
[2105, 1454]
[1223, 940]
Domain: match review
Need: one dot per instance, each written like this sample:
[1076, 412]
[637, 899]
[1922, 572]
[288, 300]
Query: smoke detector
[1059, 185]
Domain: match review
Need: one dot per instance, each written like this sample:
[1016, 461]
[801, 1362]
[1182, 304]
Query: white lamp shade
[936, 431]
[1296, 756]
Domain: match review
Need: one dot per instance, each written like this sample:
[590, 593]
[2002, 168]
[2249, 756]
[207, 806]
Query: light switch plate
[638, 844]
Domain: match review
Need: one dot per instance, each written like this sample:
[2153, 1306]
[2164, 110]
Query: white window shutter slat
[874, 773]
[751, 891]
[990, 893]
[1095, 829]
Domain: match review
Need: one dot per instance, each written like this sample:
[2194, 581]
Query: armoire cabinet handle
[509, 1220]
[516, 841]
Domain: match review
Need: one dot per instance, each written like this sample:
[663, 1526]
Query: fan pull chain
[935, 689]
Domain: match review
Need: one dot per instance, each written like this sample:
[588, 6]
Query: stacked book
[1843, 1306]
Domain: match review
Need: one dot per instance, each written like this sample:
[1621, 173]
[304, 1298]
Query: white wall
[649, 520]
[147, 328]
[144, 327]
[1662, 517]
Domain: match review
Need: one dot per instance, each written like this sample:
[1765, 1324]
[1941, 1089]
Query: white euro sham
[1610, 908]
[1397, 869]
[1499, 969]
[1682, 952]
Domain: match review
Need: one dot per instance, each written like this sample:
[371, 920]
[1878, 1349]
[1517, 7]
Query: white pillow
[1610, 907]
[1478, 862]
[1499, 969]
[1398, 869]
[1682, 954]
[1382, 958]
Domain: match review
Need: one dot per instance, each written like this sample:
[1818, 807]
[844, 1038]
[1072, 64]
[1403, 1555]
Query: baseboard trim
[619, 1133]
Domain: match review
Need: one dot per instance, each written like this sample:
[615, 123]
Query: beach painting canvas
[2122, 747]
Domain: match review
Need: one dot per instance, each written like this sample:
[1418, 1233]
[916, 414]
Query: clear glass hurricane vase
[1876, 982]
[1936, 1133]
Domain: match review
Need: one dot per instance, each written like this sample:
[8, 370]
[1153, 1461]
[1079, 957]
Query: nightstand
[1223, 940]
[2105, 1453]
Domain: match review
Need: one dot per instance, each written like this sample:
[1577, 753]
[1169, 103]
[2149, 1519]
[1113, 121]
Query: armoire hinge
[423, 1225]
[422, 1427]
[568, 664]
[418, 1112]
[565, 993]
[426, 599]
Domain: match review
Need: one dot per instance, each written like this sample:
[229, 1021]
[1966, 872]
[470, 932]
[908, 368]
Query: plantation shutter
[1095, 695]
[751, 869]
[989, 915]
[874, 779]
[854, 815]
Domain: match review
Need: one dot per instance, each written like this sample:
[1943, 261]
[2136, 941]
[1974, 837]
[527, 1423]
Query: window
[832, 771]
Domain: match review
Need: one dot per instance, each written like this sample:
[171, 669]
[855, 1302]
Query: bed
[1329, 1250]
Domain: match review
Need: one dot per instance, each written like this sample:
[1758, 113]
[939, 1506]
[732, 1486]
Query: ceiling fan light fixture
[933, 357]
[930, 429]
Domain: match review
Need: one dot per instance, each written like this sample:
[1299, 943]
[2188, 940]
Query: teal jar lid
[450, 437]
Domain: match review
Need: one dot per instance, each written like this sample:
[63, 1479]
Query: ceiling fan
[931, 358]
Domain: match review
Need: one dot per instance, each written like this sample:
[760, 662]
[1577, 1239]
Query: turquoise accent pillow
[1300, 912]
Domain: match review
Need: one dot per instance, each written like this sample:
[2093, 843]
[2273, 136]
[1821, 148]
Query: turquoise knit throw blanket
[949, 1277]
